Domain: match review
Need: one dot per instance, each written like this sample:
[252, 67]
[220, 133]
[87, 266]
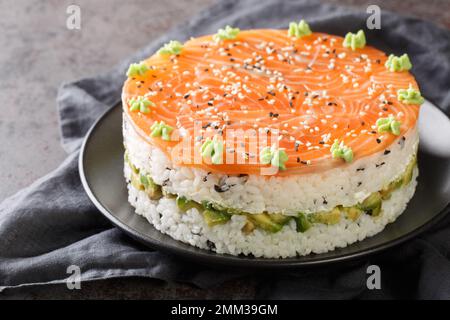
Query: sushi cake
[271, 143]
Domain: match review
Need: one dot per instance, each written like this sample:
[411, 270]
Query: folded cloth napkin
[52, 224]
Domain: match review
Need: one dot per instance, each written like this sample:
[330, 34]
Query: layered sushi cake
[271, 143]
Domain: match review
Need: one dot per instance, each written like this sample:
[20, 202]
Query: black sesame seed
[211, 246]
[378, 140]
[379, 165]
[387, 151]
[222, 188]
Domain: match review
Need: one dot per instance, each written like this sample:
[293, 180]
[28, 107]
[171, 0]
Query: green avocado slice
[352, 213]
[386, 192]
[279, 218]
[303, 224]
[213, 217]
[409, 172]
[263, 221]
[326, 217]
[372, 204]
[185, 204]
[152, 189]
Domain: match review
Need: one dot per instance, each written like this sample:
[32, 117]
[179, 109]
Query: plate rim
[225, 259]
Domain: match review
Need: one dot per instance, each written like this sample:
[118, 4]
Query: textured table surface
[38, 53]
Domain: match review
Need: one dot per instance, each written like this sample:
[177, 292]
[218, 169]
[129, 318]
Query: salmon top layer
[303, 93]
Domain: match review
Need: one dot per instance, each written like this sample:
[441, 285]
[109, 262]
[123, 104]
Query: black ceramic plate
[101, 170]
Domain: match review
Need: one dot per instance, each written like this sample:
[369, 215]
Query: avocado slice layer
[215, 214]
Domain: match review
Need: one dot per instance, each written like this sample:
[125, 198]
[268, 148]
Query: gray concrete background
[38, 53]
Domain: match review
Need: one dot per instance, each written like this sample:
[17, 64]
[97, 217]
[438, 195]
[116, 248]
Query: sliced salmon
[312, 89]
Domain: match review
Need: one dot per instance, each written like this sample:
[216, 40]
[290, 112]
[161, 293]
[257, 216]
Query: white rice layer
[307, 193]
[228, 238]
